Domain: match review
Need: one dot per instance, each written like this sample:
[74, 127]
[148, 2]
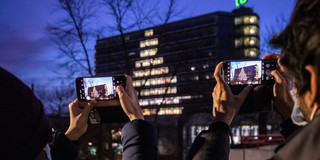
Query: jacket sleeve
[62, 148]
[211, 144]
[139, 141]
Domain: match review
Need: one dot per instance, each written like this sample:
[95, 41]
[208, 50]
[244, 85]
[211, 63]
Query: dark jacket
[24, 126]
[300, 143]
[139, 141]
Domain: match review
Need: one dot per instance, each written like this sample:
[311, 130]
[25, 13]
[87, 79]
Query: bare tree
[271, 30]
[72, 34]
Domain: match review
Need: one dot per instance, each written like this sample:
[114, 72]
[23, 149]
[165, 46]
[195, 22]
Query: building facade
[172, 67]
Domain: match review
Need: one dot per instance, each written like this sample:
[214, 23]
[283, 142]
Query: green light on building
[240, 2]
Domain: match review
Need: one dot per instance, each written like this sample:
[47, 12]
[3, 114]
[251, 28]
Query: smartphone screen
[244, 72]
[98, 88]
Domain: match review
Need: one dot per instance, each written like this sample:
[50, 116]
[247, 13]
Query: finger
[271, 56]
[123, 97]
[73, 104]
[280, 66]
[129, 87]
[244, 93]
[89, 107]
[217, 73]
[278, 77]
[214, 111]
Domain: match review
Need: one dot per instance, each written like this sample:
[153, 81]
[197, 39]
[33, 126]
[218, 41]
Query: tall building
[172, 67]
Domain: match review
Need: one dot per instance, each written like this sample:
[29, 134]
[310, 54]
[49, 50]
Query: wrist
[72, 134]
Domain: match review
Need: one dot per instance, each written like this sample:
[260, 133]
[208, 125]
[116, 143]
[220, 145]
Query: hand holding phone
[129, 101]
[102, 89]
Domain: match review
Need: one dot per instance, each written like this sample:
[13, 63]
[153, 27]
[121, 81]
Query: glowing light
[240, 2]
[193, 68]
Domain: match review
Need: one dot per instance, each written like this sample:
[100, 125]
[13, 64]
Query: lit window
[251, 52]
[148, 62]
[238, 42]
[148, 52]
[154, 71]
[207, 77]
[251, 30]
[155, 81]
[148, 33]
[159, 91]
[149, 42]
[251, 41]
[238, 21]
[205, 66]
[167, 100]
[250, 20]
[163, 111]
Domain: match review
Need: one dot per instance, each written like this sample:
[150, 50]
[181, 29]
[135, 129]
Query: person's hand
[129, 101]
[281, 89]
[78, 119]
[225, 104]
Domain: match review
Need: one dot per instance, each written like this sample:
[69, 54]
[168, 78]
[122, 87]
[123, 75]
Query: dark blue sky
[27, 52]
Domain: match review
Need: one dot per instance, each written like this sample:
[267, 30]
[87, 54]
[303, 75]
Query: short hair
[300, 43]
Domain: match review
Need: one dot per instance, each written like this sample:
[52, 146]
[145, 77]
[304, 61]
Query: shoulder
[304, 144]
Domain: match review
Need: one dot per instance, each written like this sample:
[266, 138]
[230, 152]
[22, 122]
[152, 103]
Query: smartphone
[245, 72]
[98, 88]
[102, 89]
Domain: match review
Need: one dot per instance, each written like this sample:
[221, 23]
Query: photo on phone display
[101, 88]
[245, 72]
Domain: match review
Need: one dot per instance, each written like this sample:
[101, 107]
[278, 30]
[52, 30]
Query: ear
[313, 94]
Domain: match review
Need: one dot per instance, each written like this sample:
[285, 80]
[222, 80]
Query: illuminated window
[163, 111]
[246, 20]
[247, 41]
[205, 66]
[148, 62]
[251, 41]
[159, 91]
[148, 33]
[167, 100]
[155, 81]
[149, 42]
[251, 30]
[148, 52]
[238, 42]
[154, 71]
[250, 20]
[238, 21]
[251, 52]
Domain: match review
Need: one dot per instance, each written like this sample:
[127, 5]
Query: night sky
[27, 52]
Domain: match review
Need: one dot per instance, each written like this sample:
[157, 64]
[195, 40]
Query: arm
[139, 141]
[214, 143]
[282, 96]
[138, 137]
[62, 146]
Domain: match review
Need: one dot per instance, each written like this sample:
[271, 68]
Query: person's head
[300, 50]
[24, 127]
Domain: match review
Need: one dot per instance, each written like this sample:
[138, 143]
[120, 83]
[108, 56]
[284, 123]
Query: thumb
[120, 90]
[244, 93]
[89, 107]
